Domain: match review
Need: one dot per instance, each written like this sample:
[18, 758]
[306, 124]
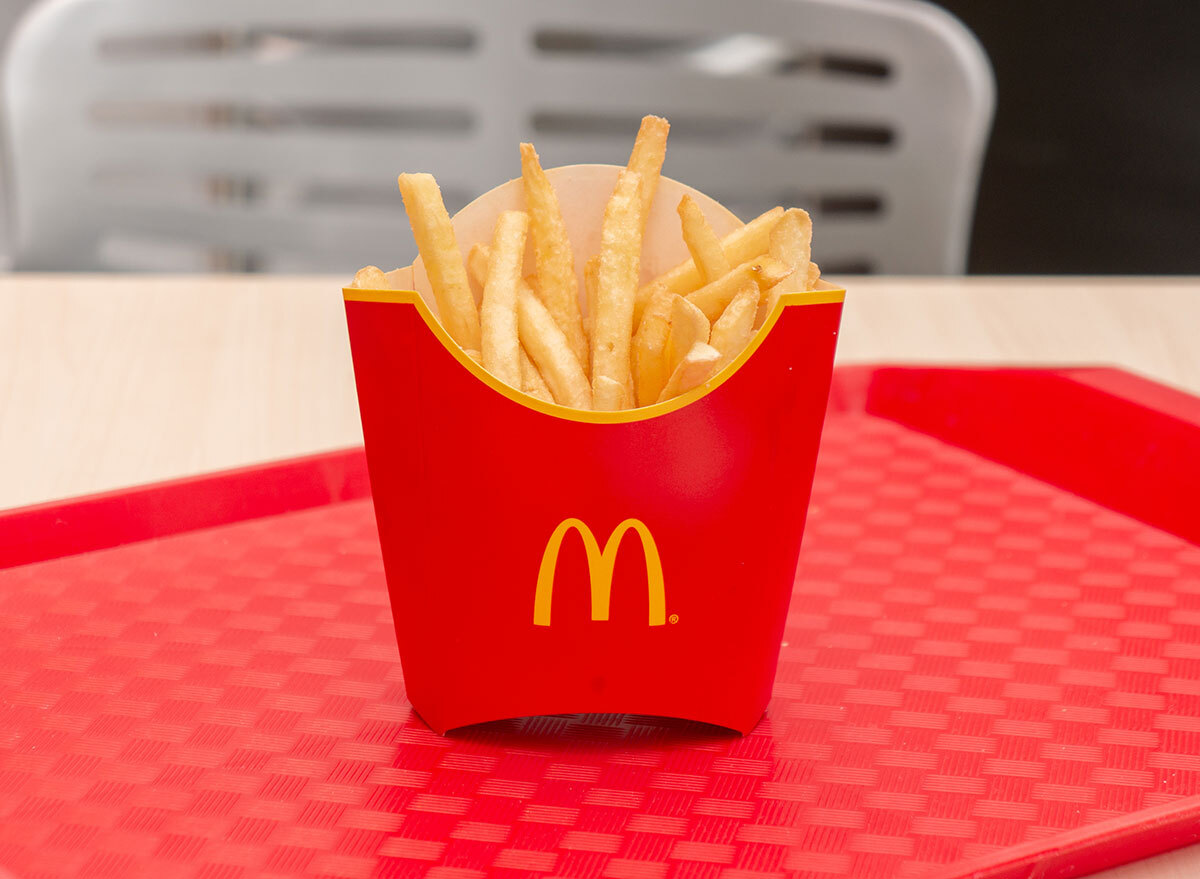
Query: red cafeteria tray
[991, 669]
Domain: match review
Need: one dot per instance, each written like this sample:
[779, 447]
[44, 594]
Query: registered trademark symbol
[673, 618]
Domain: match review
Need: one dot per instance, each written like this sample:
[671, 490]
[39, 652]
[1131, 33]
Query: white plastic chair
[266, 134]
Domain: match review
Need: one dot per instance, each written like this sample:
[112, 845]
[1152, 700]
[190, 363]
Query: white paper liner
[583, 191]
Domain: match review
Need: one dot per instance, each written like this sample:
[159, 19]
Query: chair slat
[277, 127]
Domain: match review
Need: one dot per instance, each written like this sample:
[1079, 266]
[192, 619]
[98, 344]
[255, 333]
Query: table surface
[111, 381]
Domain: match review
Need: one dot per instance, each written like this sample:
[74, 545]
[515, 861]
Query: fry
[791, 243]
[532, 382]
[617, 343]
[549, 350]
[646, 158]
[743, 243]
[498, 314]
[688, 326]
[650, 371]
[768, 302]
[443, 260]
[370, 278]
[591, 271]
[553, 255]
[695, 368]
[702, 242]
[733, 330]
[616, 283]
[608, 396]
[477, 263]
[712, 299]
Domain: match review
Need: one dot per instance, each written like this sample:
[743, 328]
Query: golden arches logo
[600, 570]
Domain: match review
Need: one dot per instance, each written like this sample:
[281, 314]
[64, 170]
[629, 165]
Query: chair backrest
[266, 134]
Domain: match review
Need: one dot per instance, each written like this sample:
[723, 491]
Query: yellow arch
[600, 570]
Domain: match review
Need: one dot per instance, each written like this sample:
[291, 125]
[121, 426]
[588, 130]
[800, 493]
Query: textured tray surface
[974, 660]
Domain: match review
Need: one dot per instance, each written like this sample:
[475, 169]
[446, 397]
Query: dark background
[1094, 160]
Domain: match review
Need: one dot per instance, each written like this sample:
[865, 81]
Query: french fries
[702, 242]
[790, 243]
[732, 331]
[443, 260]
[477, 263]
[646, 158]
[713, 298]
[650, 372]
[740, 245]
[371, 278]
[618, 343]
[767, 303]
[694, 369]
[616, 288]
[532, 382]
[608, 395]
[551, 352]
[591, 271]
[500, 347]
[688, 326]
[557, 284]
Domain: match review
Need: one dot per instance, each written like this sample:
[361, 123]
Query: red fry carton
[546, 560]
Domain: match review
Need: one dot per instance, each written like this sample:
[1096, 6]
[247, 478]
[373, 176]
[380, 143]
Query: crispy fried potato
[791, 243]
[688, 325]
[713, 298]
[742, 244]
[370, 278]
[532, 382]
[532, 333]
[549, 350]
[591, 272]
[498, 314]
[616, 283]
[646, 157]
[732, 331]
[608, 396]
[695, 369]
[765, 306]
[768, 301]
[442, 257]
[558, 286]
[814, 275]
[650, 372]
[477, 263]
[702, 242]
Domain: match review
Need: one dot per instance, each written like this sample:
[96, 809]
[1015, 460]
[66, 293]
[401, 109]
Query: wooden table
[110, 381]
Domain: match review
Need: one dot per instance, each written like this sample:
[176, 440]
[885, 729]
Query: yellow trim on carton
[623, 416]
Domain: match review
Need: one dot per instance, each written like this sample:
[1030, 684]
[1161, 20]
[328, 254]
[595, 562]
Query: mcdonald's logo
[600, 570]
